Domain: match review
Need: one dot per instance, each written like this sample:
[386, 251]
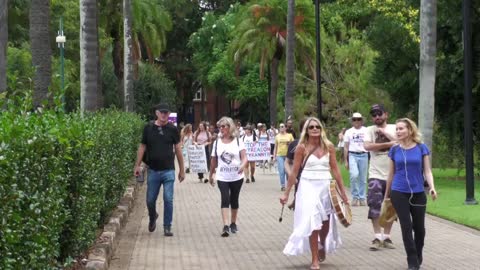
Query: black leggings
[230, 191]
[200, 175]
[412, 218]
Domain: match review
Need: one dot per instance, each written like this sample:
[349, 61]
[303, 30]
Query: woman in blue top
[409, 168]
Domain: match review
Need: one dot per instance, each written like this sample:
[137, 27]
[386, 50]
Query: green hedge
[59, 177]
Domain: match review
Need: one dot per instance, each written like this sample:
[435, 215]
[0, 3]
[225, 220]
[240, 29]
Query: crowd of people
[391, 155]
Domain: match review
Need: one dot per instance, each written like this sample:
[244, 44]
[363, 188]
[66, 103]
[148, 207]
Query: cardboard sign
[258, 150]
[197, 159]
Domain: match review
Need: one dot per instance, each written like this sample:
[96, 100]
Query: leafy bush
[59, 176]
[151, 88]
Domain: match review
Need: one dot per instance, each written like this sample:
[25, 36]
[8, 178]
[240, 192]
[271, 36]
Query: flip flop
[312, 267]
[321, 255]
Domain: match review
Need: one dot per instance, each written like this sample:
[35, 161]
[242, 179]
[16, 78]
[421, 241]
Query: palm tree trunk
[41, 51]
[88, 55]
[274, 88]
[3, 44]
[100, 97]
[290, 65]
[128, 56]
[428, 51]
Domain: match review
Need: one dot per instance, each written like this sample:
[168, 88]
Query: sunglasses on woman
[314, 126]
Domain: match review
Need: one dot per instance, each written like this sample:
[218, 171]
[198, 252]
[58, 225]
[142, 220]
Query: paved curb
[101, 253]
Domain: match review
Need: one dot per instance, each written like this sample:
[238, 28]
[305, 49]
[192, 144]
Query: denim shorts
[376, 193]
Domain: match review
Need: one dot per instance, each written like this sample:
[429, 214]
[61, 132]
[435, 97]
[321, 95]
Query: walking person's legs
[418, 220]
[252, 171]
[362, 163]
[153, 188]
[313, 239]
[246, 172]
[281, 171]
[400, 202]
[225, 204]
[168, 179]
[353, 170]
[235, 188]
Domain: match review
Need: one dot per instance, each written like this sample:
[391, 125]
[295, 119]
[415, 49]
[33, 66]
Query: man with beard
[378, 140]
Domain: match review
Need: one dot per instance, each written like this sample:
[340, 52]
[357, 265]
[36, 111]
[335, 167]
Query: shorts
[376, 193]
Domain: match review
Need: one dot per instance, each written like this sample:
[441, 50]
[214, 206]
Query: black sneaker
[187, 170]
[233, 228]
[205, 181]
[152, 225]
[387, 243]
[167, 231]
[253, 179]
[248, 181]
[376, 244]
[225, 231]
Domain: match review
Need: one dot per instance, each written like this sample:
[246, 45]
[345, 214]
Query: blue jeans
[281, 169]
[358, 166]
[154, 182]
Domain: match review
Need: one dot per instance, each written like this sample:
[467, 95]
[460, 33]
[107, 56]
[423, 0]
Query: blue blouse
[408, 175]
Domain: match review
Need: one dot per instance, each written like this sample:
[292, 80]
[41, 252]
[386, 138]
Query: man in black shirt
[159, 141]
[289, 161]
[289, 126]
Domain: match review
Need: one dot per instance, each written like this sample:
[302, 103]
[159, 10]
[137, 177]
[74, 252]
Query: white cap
[356, 115]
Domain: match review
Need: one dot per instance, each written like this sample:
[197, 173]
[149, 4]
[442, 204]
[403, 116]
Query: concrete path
[259, 243]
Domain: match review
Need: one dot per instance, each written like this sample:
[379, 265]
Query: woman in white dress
[186, 137]
[314, 219]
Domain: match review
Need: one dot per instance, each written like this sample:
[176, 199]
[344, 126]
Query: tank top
[317, 168]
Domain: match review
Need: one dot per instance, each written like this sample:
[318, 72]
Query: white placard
[197, 159]
[258, 150]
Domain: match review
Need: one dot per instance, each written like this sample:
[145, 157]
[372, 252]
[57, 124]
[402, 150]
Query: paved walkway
[259, 243]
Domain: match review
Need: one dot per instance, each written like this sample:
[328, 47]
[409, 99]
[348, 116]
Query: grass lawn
[450, 185]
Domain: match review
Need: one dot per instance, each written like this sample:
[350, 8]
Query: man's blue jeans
[358, 166]
[154, 182]
[281, 169]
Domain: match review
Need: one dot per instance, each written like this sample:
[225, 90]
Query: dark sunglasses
[356, 119]
[376, 113]
[315, 126]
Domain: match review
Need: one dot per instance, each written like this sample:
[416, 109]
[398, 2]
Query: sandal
[313, 267]
[321, 255]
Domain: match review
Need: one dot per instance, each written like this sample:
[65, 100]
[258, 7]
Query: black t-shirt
[160, 141]
[291, 154]
[291, 131]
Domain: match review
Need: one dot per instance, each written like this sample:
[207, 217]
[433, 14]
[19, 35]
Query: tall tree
[3, 44]
[128, 56]
[260, 37]
[428, 51]
[40, 47]
[89, 53]
[290, 66]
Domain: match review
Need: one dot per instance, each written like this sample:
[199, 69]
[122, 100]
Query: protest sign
[197, 159]
[257, 150]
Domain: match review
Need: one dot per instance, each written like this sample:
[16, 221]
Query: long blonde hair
[413, 132]
[187, 129]
[323, 140]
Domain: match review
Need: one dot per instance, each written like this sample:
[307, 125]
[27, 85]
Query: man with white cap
[356, 159]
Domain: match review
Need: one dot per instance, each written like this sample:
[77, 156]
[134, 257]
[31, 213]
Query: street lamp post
[61, 39]
[318, 68]
[467, 61]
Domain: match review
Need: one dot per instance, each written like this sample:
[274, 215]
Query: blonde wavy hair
[413, 132]
[232, 128]
[324, 142]
[187, 129]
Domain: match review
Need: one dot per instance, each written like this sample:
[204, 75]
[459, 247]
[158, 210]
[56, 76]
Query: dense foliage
[59, 177]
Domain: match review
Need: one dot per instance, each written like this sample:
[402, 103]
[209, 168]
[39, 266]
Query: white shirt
[354, 137]
[228, 160]
[271, 134]
[247, 138]
[379, 160]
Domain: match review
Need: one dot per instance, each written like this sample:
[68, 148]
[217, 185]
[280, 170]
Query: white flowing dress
[313, 206]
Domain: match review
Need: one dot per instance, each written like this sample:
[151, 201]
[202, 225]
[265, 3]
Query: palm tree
[260, 37]
[89, 53]
[428, 50]
[40, 47]
[3, 44]
[290, 66]
[128, 57]
[151, 22]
